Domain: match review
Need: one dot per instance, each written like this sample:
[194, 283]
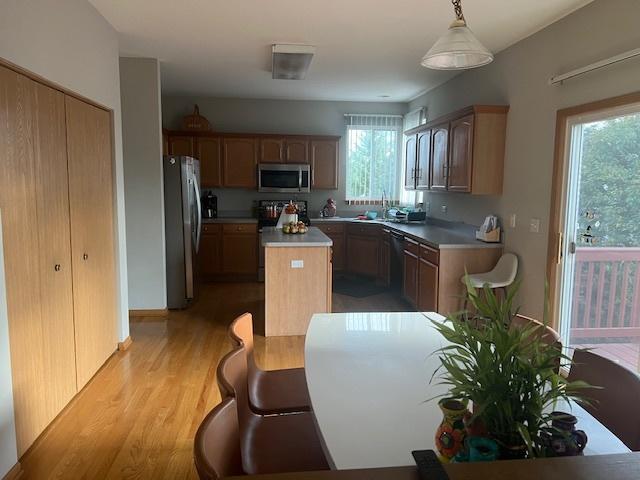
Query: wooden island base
[297, 285]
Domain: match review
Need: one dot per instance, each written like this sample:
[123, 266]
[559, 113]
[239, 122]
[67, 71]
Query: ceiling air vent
[291, 62]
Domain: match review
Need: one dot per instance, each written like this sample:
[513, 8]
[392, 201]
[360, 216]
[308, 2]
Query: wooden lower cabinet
[410, 278]
[427, 286]
[210, 253]
[362, 255]
[239, 254]
[336, 232]
[338, 251]
[228, 251]
[56, 200]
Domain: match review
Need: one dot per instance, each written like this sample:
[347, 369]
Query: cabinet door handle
[85, 256]
[57, 267]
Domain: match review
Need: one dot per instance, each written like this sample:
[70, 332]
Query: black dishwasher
[396, 260]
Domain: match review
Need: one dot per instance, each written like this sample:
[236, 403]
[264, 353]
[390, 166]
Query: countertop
[273, 237]
[437, 234]
[381, 365]
[230, 220]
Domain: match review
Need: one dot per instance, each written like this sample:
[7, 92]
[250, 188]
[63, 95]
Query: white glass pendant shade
[458, 49]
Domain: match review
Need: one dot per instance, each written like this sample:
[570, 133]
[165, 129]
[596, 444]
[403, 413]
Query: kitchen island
[298, 279]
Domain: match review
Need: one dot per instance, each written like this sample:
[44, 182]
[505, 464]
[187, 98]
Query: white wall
[142, 151]
[276, 116]
[68, 42]
[519, 77]
[8, 450]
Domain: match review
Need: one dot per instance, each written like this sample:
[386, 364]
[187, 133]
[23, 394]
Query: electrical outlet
[297, 263]
[443, 208]
[512, 220]
[534, 225]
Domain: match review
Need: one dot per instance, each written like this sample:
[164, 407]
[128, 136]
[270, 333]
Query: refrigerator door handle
[196, 189]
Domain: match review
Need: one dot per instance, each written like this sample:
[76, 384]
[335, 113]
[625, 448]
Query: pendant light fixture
[458, 49]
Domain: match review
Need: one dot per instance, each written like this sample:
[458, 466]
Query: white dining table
[369, 381]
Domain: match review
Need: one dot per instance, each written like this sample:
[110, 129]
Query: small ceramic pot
[482, 449]
[564, 440]
[451, 432]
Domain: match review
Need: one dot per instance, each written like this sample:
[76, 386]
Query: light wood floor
[137, 418]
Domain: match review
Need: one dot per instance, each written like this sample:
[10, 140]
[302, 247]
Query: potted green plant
[509, 374]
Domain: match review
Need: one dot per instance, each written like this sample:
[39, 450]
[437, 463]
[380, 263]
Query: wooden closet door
[54, 240]
[33, 199]
[92, 241]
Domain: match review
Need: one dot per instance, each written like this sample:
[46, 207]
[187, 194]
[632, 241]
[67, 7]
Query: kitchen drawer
[359, 229]
[249, 228]
[331, 227]
[211, 228]
[411, 246]
[386, 234]
[429, 254]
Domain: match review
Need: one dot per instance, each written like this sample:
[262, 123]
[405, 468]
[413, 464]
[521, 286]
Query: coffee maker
[209, 205]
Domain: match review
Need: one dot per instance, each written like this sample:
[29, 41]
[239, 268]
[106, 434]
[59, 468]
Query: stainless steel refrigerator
[183, 226]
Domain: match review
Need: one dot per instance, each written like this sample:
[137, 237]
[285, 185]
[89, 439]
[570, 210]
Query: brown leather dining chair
[270, 391]
[216, 449]
[543, 332]
[615, 405]
[269, 444]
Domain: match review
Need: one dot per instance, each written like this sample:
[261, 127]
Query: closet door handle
[57, 267]
[85, 256]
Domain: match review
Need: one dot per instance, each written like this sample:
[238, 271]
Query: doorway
[598, 259]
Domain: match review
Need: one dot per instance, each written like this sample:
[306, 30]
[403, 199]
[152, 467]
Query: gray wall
[8, 451]
[69, 43]
[144, 199]
[519, 77]
[275, 116]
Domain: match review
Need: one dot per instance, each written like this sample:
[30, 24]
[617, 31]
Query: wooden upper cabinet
[239, 161]
[461, 156]
[165, 143]
[410, 152]
[324, 164]
[439, 156]
[423, 160]
[272, 150]
[181, 145]
[209, 152]
[296, 150]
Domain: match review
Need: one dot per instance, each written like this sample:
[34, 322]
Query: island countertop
[273, 237]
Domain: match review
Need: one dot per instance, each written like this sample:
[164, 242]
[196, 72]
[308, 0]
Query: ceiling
[365, 50]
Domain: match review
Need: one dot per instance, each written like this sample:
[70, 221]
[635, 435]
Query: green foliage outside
[372, 163]
[610, 181]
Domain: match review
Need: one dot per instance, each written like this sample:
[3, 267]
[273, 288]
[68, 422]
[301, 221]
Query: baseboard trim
[125, 344]
[159, 312]
[15, 473]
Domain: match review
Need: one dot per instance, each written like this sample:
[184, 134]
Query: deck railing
[606, 300]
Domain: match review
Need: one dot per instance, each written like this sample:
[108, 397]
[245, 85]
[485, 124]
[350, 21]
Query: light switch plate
[512, 220]
[534, 225]
[297, 263]
[443, 208]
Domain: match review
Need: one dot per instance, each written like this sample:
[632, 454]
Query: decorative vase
[563, 438]
[451, 432]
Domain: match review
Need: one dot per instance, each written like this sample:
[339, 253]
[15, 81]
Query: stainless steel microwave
[284, 178]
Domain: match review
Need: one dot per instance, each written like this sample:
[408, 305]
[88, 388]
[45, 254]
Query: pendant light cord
[457, 7]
